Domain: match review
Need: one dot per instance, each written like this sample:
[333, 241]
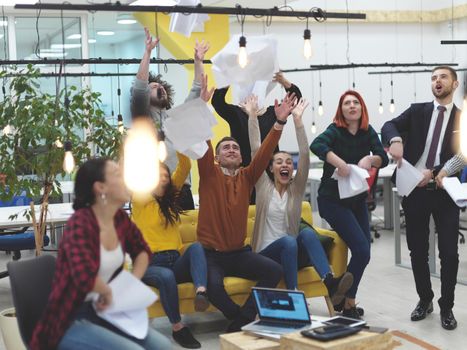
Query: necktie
[430, 161]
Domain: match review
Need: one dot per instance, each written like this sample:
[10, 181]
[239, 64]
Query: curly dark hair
[169, 203]
[157, 78]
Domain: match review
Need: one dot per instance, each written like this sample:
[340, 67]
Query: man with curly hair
[152, 96]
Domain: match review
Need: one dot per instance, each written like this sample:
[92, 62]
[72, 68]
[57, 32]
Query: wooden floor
[387, 294]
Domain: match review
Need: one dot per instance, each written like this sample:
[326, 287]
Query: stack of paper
[130, 298]
[188, 127]
[407, 178]
[353, 184]
[457, 190]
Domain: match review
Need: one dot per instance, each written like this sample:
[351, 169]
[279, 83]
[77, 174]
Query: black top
[238, 120]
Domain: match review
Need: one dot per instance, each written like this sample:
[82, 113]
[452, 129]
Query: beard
[443, 93]
[161, 102]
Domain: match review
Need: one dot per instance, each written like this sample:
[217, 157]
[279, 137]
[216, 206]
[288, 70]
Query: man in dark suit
[430, 138]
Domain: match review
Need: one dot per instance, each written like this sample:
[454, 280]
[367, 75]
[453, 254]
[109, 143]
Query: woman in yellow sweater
[158, 218]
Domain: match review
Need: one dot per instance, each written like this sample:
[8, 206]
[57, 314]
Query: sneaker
[340, 307]
[337, 287]
[185, 339]
[352, 313]
[201, 301]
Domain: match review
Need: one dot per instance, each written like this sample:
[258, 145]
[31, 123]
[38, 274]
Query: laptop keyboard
[281, 325]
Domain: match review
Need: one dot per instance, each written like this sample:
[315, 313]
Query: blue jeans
[88, 331]
[296, 252]
[168, 268]
[349, 218]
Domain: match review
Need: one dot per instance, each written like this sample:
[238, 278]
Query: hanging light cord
[347, 52]
[38, 44]
[119, 91]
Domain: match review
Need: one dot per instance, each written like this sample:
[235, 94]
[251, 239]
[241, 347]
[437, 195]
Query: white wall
[368, 43]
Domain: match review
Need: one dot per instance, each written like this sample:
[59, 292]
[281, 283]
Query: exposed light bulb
[381, 108]
[120, 126]
[58, 143]
[463, 128]
[313, 128]
[242, 54]
[68, 160]
[141, 158]
[307, 51]
[162, 150]
[392, 107]
[7, 130]
[320, 108]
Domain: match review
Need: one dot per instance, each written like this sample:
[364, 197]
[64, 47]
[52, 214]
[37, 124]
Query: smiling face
[443, 84]
[282, 168]
[351, 109]
[228, 154]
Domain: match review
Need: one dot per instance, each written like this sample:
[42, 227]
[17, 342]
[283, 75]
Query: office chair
[31, 283]
[15, 240]
[371, 198]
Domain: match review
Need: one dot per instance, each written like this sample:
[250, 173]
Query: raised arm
[287, 85]
[150, 44]
[200, 50]
[303, 167]
[226, 110]
[250, 107]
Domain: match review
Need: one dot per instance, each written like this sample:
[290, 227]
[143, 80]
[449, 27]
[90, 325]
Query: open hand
[205, 93]
[200, 49]
[150, 42]
[250, 105]
[279, 78]
[283, 110]
[299, 108]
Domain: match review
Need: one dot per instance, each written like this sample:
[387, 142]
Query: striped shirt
[455, 164]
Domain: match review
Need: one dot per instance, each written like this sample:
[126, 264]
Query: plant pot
[10, 330]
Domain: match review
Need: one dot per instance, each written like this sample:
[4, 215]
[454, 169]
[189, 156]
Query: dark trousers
[418, 207]
[186, 198]
[239, 263]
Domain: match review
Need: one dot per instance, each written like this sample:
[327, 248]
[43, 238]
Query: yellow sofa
[239, 288]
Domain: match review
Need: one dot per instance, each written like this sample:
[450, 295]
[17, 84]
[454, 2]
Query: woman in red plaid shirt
[91, 252]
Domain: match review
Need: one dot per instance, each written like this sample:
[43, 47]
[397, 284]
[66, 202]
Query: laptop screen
[281, 305]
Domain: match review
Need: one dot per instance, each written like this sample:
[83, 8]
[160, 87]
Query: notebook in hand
[280, 311]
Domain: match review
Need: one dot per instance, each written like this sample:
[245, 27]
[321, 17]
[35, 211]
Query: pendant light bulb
[242, 54]
[313, 128]
[120, 126]
[141, 158]
[320, 108]
[58, 143]
[381, 108]
[307, 51]
[7, 130]
[392, 106]
[68, 160]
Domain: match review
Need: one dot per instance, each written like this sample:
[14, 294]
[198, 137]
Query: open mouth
[438, 87]
[284, 174]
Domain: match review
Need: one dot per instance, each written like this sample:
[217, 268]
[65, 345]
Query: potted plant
[35, 127]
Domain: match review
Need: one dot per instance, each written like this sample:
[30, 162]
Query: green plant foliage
[30, 159]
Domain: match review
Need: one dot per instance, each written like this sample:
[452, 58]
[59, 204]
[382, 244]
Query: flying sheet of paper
[185, 24]
[196, 151]
[262, 62]
[130, 298]
[260, 88]
[457, 190]
[189, 125]
[353, 184]
[407, 178]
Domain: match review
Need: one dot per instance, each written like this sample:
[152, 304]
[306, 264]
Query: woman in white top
[277, 232]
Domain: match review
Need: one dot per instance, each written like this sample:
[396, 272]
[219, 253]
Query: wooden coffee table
[295, 341]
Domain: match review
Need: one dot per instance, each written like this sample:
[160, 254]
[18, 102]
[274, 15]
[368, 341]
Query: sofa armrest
[337, 253]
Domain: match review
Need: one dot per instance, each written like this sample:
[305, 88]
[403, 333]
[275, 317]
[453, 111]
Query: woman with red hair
[350, 139]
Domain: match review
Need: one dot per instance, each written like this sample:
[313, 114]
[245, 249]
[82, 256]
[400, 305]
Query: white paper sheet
[185, 24]
[196, 151]
[189, 125]
[130, 298]
[457, 190]
[407, 178]
[262, 62]
[353, 184]
[260, 89]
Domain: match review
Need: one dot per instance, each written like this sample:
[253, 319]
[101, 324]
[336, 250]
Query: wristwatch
[281, 122]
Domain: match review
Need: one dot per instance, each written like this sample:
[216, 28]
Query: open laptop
[280, 311]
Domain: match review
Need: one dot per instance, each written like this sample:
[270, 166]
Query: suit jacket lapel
[452, 127]
[427, 113]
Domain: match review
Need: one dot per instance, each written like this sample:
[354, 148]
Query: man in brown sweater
[224, 194]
